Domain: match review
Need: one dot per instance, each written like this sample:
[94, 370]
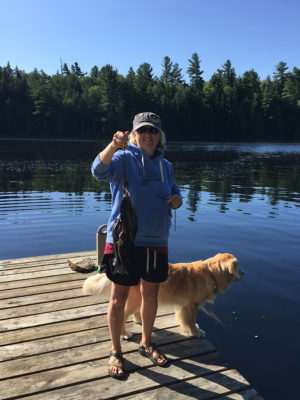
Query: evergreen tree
[110, 96]
[228, 74]
[94, 110]
[129, 96]
[15, 102]
[65, 70]
[195, 73]
[171, 73]
[144, 77]
[291, 89]
[95, 73]
[130, 77]
[167, 66]
[268, 94]
[176, 75]
[251, 84]
[280, 76]
[109, 88]
[39, 83]
[76, 70]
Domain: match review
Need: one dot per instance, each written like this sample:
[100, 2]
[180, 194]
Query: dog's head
[229, 264]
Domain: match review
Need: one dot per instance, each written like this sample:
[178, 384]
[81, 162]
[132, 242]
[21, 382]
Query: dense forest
[74, 104]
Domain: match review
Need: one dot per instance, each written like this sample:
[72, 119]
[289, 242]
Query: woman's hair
[161, 145]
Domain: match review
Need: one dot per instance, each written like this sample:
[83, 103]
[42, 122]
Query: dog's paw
[195, 332]
[127, 336]
[200, 333]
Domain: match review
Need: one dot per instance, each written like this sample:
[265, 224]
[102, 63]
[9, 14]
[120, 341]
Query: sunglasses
[149, 129]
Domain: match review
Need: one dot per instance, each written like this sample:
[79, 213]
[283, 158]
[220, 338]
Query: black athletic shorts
[148, 265]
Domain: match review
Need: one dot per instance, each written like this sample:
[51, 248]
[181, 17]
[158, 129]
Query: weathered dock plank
[71, 338]
[39, 289]
[50, 317]
[55, 342]
[36, 274]
[198, 387]
[34, 309]
[188, 381]
[38, 259]
[30, 267]
[22, 302]
[40, 281]
[96, 369]
[93, 345]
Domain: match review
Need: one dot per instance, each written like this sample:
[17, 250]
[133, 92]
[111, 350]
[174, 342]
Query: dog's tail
[99, 285]
[211, 314]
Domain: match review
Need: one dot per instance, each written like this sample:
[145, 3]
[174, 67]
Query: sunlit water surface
[238, 198]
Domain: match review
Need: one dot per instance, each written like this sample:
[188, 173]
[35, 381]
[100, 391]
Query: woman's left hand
[175, 201]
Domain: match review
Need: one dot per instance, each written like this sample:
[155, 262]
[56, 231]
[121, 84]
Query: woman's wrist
[106, 155]
[113, 146]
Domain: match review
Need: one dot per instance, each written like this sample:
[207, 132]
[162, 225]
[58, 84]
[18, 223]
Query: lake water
[238, 198]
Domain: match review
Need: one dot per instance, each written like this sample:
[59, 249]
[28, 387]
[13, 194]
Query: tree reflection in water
[225, 175]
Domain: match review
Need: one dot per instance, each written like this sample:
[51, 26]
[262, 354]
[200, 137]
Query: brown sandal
[113, 363]
[147, 351]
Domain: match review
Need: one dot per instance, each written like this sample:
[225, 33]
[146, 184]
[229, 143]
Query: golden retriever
[188, 287]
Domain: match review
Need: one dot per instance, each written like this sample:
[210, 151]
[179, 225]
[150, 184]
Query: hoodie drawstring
[143, 164]
[160, 167]
[161, 171]
[148, 260]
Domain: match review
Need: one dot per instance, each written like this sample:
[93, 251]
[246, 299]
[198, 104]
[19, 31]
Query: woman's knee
[149, 291]
[117, 302]
[118, 296]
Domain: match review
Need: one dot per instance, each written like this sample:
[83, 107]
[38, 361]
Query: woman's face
[147, 141]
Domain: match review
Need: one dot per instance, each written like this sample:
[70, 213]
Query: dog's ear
[236, 272]
[231, 265]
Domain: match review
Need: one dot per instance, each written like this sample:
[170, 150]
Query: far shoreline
[187, 140]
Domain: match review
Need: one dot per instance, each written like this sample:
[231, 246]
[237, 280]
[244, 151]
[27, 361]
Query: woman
[153, 192]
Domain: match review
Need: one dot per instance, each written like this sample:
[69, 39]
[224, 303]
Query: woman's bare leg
[115, 316]
[149, 292]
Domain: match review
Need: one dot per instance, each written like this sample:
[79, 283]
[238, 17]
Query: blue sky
[252, 34]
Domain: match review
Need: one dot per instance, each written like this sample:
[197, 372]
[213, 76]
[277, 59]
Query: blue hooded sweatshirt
[150, 182]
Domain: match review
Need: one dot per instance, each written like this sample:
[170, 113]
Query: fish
[124, 233]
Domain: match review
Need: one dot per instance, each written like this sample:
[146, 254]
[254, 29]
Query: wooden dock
[54, 344]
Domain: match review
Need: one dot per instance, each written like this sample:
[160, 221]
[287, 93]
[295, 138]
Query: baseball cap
[146, 118]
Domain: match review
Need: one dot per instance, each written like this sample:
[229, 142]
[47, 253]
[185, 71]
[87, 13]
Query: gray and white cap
[146, 118]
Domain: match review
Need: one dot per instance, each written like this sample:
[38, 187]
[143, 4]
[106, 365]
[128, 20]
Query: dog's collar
[213, 278]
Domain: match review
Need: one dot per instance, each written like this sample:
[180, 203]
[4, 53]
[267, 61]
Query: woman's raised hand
[120, 140]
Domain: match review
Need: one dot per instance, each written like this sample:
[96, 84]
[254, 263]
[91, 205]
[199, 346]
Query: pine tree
[131, 75]
[176, 74]
[167, 66]
[194, 71]
[291, 88]
[110, 96]
[65, 70]
[76, 70]
[250, 83]
[171, 73]
[280, 76]
[228, 74]
[95, 73]
[144, 77]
